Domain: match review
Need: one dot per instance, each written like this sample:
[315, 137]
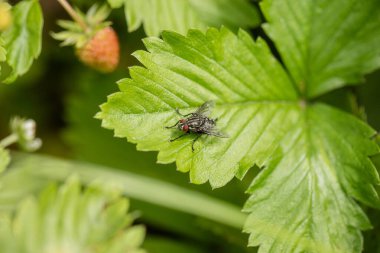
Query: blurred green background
[63, 95]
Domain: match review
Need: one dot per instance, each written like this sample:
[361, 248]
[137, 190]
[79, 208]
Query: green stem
[139, 187]
[73, 14]
[356, 108]
[9, 140]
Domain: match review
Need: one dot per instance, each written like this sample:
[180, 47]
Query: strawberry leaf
[180, 15]
[302, 199]
[325, 44]
[67, 219]
[115, 3]
[183, 73]
[314, 157]
[23, 38]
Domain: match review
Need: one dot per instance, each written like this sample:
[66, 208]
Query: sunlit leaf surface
[315, 158]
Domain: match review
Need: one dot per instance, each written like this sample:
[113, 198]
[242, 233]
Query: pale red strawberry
[95, 42]
[102, 51]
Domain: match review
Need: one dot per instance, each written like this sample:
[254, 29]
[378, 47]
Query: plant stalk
[9, 140]
[73, 14]
[356, 107]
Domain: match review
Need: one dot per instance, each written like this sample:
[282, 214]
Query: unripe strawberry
[96, 43]
[101, 52]
[5, 15]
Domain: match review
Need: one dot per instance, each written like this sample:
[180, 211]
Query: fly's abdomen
[207, 125]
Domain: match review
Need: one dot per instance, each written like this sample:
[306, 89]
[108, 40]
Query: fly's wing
[205, 109]
[217, 133]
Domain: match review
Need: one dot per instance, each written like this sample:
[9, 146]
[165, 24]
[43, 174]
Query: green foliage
[4, 159]
[180, 15]
[135, 186]
[116, 3]
[320, 165]
[196, 69]
[68, 219]
[74, 34]
[3, 52]
[315, 158]
[162, 245]
[22, 40]
[156, 199]
[325, 44]
[87, 140]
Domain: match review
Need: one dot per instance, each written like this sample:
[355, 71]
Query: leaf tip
[98, 115]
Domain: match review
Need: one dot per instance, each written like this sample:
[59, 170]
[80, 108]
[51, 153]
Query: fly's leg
[178, 137]
[183, 115]
[196, 138]
[173, 125]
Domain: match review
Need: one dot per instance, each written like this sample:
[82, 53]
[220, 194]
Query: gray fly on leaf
[198, 123]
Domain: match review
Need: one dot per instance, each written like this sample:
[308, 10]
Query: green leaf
[116, 3]
[180, 15]
[320, 165]
[3, 52]
[4, 159]
[23, 38]
[183, 73]
[314, 157]
[67, 219]
[325, 44]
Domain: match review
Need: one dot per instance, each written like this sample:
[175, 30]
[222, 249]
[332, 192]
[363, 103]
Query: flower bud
[25, 130]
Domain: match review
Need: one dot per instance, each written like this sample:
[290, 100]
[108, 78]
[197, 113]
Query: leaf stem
[356, 107]
[135, 186]
[9, 140]
[73, 14]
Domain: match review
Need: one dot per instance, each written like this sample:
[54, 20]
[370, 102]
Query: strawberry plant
[95, 41]
[294, 89]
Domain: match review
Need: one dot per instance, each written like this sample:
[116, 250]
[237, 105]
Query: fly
[198, 123]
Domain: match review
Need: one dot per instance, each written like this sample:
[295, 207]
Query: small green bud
[25, 130]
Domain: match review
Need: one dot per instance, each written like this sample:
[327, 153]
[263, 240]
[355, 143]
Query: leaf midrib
[246, 103]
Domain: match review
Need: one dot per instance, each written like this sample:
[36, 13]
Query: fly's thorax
[194, 122]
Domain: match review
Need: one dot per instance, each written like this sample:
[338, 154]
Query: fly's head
[183, 126]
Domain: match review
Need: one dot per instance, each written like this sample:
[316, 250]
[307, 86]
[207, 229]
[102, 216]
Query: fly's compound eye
[185, 128]
[182, 120]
